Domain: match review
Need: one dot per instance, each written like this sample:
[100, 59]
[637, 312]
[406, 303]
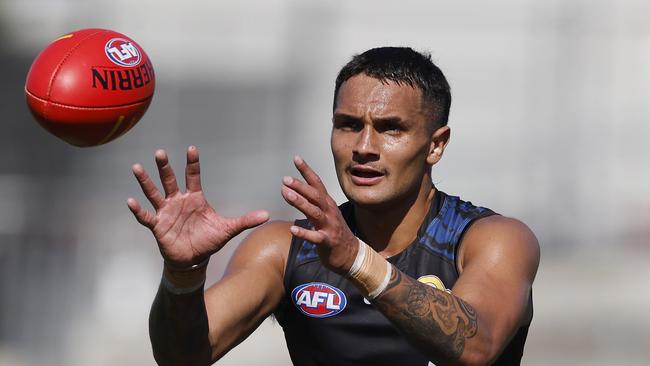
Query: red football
[90, 86]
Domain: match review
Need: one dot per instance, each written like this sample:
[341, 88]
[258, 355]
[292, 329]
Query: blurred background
[550, 121]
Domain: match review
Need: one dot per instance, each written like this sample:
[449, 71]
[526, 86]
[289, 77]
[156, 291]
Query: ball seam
[58, 68]
[87, 108]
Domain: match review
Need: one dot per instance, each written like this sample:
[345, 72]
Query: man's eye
[392, 128]
[349, 126]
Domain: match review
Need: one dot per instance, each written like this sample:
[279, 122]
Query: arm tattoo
[433, 320]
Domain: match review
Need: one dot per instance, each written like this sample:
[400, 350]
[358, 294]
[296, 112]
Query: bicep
[250, 289]
[498, 261]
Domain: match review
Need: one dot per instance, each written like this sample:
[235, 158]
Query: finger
[167, 176]
[313, 212]
[308, 173]
[330, 201]
[312, 236]
[143, 216]
[193, 170]
[236, 225]
[310, 193]
[148, 187]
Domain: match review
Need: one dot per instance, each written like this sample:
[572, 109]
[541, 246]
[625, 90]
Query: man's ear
[439, 141]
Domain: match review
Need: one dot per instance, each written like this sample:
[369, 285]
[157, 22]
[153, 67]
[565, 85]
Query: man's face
[380, 141]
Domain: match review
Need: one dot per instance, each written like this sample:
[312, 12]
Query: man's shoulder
[501, 226]
[267, 243]
[498, 235]
[273, 233]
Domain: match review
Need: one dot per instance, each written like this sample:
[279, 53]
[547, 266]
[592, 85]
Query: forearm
[178, 324]
[434, 321]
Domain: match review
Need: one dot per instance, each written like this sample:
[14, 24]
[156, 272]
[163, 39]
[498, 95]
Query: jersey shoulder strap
[445, 230]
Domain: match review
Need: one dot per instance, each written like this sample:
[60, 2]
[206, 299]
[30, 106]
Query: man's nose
[367, 141]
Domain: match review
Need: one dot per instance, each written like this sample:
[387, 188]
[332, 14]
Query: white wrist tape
[382, 286]
[370, 271]
[361, 256]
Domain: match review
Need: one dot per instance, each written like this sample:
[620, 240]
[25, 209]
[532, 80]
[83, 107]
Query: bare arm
[436, 322]
[498, 261]
[187, 326]
[473, 324]
[200, 327]
[178, 328]
[250, 289]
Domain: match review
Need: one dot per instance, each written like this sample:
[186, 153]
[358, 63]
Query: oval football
[90, 86]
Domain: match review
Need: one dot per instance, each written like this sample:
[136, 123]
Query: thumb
[247, 221]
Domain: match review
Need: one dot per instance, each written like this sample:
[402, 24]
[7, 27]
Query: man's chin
[369, 200]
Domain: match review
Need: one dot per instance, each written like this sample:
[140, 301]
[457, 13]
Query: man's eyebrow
[379, 121]
[389, 119]
[345, 118]
[394, 121]
[339, 115]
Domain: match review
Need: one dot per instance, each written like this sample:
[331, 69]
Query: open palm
[186, 227]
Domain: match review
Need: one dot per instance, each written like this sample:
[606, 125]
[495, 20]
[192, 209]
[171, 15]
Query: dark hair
[403, 65]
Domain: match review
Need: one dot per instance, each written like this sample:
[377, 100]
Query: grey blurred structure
[550, 124]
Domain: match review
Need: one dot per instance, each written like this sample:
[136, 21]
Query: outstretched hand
[337, 245]
[188, 230]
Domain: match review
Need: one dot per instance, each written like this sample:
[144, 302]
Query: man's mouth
[363, 175]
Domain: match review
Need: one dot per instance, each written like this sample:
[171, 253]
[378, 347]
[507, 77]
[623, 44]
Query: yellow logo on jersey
[434, 281]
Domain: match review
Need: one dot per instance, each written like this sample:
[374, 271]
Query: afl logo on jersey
[318, 300]
[122, 52]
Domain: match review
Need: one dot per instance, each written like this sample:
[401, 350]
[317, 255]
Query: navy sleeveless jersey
[325, 319]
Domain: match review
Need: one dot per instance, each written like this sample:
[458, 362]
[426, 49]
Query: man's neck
[390, 230]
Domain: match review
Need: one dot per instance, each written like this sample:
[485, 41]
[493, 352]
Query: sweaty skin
[384, 147]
